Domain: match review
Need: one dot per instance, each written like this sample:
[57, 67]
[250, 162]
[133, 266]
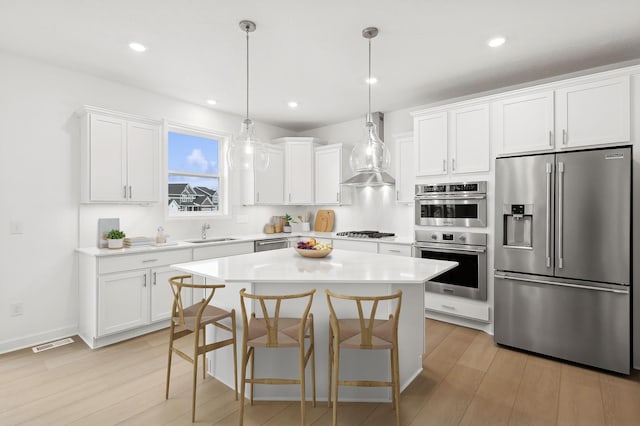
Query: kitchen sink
[211, 240]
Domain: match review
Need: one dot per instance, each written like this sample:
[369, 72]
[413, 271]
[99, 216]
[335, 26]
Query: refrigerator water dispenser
[518, 225]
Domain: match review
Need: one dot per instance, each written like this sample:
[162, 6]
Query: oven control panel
[470, 238]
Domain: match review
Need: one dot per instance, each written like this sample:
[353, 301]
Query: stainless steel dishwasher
[270, 244]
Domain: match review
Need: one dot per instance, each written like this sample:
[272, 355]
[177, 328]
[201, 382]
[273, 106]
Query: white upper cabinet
[119, 157]
[571, 116]
[405, 168]
[430, 134]
[266, 187]
[524, 123]
[298, 169]
[331, 167]
[593, 113]
[452, 141]
[469, 141]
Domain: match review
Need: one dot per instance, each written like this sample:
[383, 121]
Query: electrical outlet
[242, 218]
[16, 227]
[16, 309]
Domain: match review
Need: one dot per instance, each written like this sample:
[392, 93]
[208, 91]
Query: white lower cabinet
[370, 247]
[456, 306]
[126, 295]
[395, 249]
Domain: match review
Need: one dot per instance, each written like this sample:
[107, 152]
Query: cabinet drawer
[356, 245]
[394, 249]
[211, 252]
[478, 311]
[142, 260]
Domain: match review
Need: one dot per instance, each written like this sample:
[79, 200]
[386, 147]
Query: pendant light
[246, 151]
[370, 158]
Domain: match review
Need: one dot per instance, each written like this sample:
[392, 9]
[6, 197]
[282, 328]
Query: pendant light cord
[247, 31]
[369, 115]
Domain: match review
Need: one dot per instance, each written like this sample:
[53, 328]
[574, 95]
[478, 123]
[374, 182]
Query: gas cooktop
[365, 234]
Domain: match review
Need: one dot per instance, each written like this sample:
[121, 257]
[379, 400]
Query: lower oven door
[468, 279]
[454, 211]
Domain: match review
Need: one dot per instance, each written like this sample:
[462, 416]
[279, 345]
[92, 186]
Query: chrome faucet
[205, 226]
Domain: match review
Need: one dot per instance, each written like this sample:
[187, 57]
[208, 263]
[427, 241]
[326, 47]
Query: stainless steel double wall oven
[451, 204]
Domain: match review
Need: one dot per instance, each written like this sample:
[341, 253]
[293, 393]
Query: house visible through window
[194, 177]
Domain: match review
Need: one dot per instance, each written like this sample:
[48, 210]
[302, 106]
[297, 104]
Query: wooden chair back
[366, 322]
[271, 317]
[177, 283]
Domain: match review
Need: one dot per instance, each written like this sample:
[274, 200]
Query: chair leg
[301, 369]
[235, 352]
[195, 376]
[392, 371]
[243, 381]
[396, 384]
[313, 365]
[336, 377]
[166, 394]
[204, 354]
[252, 358]
[329, 382]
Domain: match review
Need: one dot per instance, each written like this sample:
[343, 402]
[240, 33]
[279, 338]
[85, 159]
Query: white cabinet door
[430, 133]
[142, 162]
[299, 173]
[593, 113]
[405, 168]
[524, 123]
[122, 301]
[161, 294]
[356, 245]
[469, 139]
[107, 156]
[328, 173]
[269, 183]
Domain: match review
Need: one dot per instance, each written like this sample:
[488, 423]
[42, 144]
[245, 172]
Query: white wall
[39, 166]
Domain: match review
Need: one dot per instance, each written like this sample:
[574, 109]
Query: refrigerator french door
[562, 255]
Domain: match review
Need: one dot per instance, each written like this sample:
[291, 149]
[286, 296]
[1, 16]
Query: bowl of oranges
[313, 248]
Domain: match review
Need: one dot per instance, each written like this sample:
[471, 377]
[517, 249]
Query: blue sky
[193, 154]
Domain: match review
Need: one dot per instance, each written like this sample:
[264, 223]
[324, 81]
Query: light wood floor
[467, 380]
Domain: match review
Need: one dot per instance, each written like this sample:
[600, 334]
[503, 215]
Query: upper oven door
[467, 211]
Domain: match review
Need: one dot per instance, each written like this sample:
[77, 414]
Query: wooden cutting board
[324, 221]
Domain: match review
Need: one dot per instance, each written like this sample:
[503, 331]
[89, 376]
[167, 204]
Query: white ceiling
[313, 51]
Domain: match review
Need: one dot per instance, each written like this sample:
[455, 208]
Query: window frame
[223, 138]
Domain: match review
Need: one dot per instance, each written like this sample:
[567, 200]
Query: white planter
[115, 244]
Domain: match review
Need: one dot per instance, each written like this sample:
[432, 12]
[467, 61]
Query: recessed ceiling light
[137, 47]
[496, 41]
[292, 104]
[211, 102]
[371, 80]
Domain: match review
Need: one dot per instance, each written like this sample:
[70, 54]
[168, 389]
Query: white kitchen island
[348, 272]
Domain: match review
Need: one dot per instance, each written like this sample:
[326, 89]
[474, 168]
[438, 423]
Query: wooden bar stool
[194, 319]
[274, 331]
[363, 333]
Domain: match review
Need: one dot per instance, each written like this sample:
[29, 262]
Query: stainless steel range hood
[373, 177]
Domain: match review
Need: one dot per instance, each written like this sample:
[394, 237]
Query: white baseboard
[37, 339]
[482, 326]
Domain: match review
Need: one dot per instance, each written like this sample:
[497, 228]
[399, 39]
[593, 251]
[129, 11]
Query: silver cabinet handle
[565, 138]
[154, 278]
[444, 165]
[337, 196]
[560, 215]
[393, 251]
[124, 192]
[547, 246]
[144, 283]
[550, 138]
[397, 195]
[585, 287]
[449, 307]
[289, 197]
[149, 260]
[257, 196]
[453, 164]
[130, 192]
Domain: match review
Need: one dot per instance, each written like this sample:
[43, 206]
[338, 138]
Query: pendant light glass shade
[246, 152]
[370, 158]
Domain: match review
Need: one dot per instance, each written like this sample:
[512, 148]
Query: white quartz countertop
[286, 265]
[95, 251]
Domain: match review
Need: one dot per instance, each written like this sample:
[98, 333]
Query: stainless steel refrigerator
[562, 256]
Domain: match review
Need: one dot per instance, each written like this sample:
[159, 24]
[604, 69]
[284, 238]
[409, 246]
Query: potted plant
[115, 239]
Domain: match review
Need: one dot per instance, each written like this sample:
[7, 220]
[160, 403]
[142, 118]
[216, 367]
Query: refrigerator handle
[547, 246]
[560, 214]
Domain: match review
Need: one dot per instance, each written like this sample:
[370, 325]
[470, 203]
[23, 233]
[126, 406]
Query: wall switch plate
[16, 309]
[242, 218]
[16, 227]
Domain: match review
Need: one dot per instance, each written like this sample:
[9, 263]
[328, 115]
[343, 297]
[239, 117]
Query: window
[194, 173]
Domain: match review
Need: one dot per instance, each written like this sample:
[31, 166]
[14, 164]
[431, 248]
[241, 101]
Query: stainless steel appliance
[365, 234]
[469, 278]
[451, 204]
[562, 255]
[270, 244]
